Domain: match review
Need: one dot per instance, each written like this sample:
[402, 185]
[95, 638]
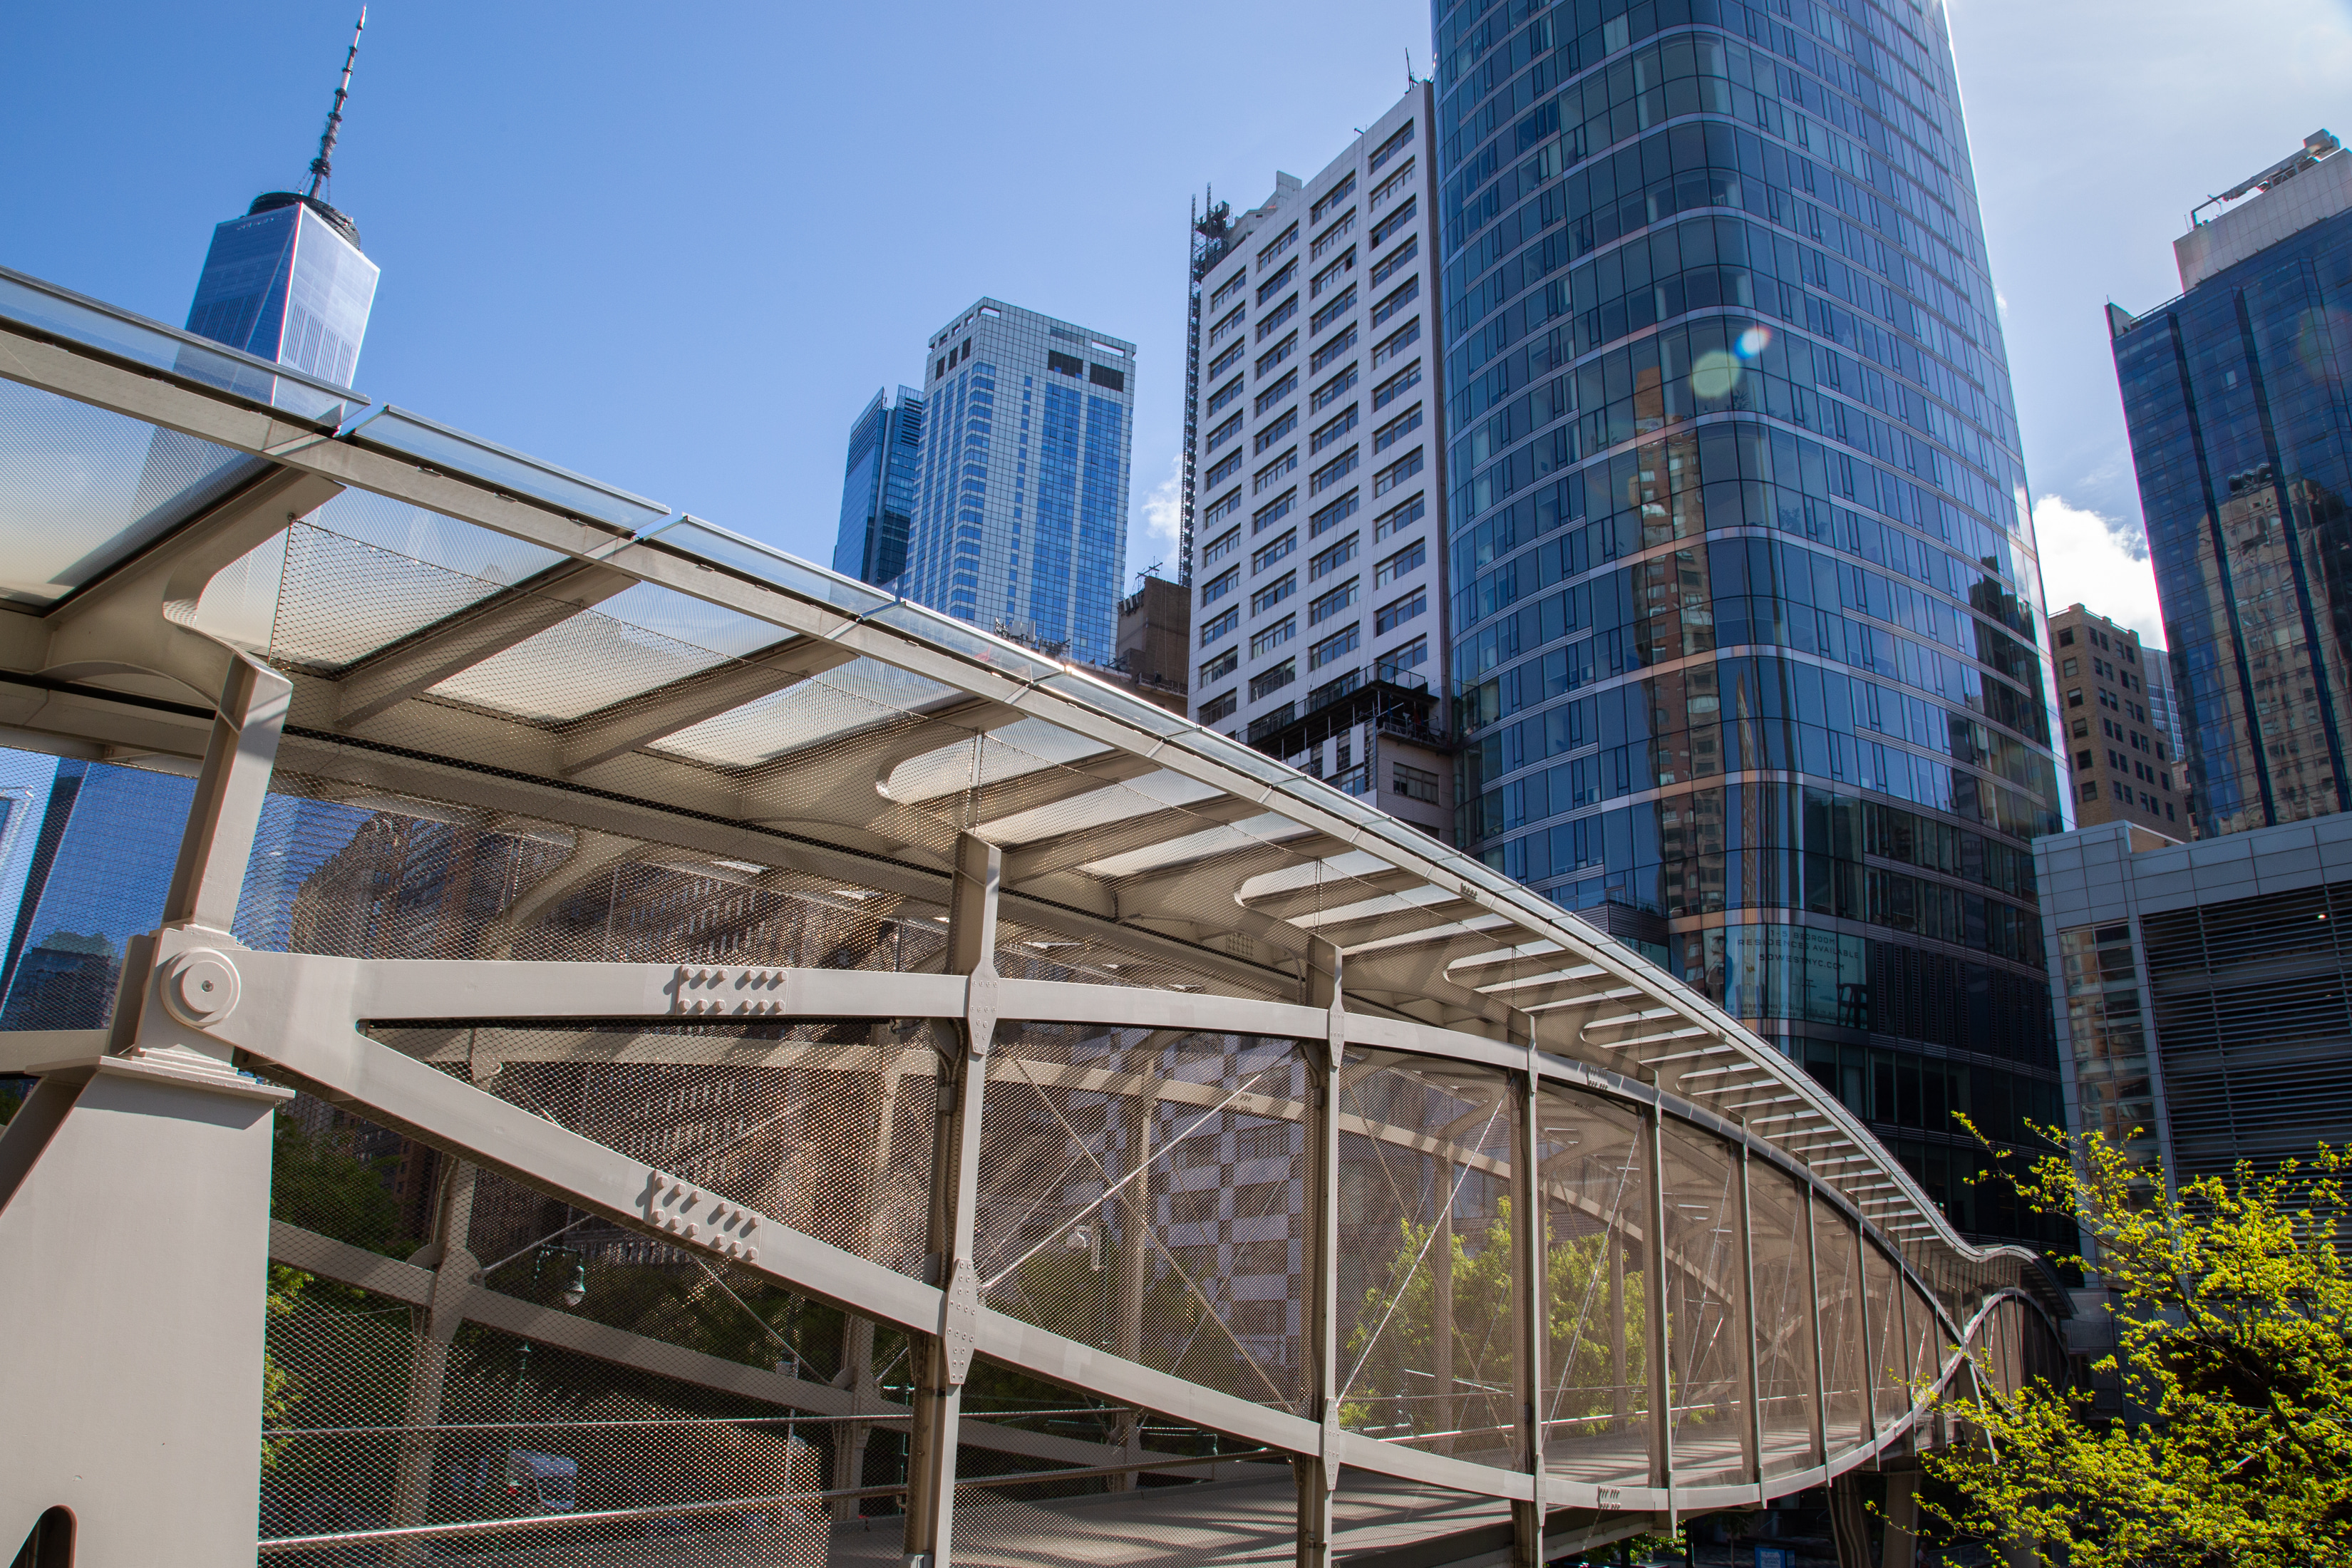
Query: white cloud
[2095, 561]
[1162, 526]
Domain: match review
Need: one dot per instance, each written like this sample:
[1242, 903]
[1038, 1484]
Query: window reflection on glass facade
[877, 487]
[2234, 394]
[1746, 618]
[2113, 1093]
[287, 282]
[1019, 521]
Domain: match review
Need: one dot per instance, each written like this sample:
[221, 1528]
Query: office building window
[1328, 355]
[1279, 281]
[1225, 395]
[1332, 472]
[1398, 518]
[1395, 615]
[1332, 198]
[1396, 473]
[1226, 361]
[1410, 656]
[1332, 312]
[1211, 630]
[1397, 429]
[1396, 342]
[1331, 516]
[1221, 666]
[1220, 707]
[1331, 390]
[1220, 472]
[1280, 549]
[1281, 242]
[1416, 784]
[1278, 392]
[1274, 679]
[1396, 260]
[1273, 511]
[1217, 587]
[1274, 592]
[1391, 304]
[1324, 606]
[1326, 561]
[1332, 432]
[1274, 636]
[1409, 559]
[1331, 236]
[1339, 645]
[1332, 275]
[1224, 544]
[1276, 355]
[1266, 476]
[1277, 430]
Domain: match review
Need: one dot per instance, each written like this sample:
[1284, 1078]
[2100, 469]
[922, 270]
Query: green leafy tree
[2233, 1345]
[1579, 1360]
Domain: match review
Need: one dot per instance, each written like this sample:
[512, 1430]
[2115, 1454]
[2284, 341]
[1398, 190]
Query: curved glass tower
[1745, 611]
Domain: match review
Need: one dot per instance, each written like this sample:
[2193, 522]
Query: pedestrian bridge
[653, 1052]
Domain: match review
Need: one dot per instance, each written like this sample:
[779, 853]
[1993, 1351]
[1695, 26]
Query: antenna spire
[322, 168]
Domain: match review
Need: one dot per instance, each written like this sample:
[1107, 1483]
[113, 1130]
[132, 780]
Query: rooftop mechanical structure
[881, 1094]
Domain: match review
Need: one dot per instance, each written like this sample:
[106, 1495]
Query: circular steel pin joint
[200, 987]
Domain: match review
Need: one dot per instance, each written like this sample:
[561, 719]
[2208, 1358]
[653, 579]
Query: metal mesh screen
[1706, 1312]
[1844, 1373]
[1596, 1179]
[1429, 1285]
[491, 1443]
[1786, 1394]
[1139, 1191]
[823, 1127]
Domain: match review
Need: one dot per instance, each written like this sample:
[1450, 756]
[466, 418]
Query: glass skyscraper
[877, 487]
[287, 282]
[1746, 609]
[1027, 431]
[2235, 396]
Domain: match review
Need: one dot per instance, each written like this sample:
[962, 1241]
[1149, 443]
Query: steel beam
[1082, 846]
[624, 727]
[1529, 1309]
[1317, 1474]
[476, 634]
[943, 1357]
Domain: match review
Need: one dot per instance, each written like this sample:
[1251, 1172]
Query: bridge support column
[1318, 1475]
[1899, 1547]
[943, 1359]
[142, 1164]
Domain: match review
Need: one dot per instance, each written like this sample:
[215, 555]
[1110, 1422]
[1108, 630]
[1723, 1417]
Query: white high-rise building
[1318, 556]
[1019, 513]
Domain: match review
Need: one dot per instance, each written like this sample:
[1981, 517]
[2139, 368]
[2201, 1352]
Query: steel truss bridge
[862, 1092]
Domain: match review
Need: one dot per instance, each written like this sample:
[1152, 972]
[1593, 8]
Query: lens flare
[1714, 375]
[1752, 342]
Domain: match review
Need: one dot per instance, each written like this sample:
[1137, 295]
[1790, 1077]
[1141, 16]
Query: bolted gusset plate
[685, 1213]
[731, 990]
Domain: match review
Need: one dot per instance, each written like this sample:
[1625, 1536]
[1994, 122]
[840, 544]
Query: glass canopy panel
[839, 702]
[1017, 749]
[57, 313]
[1113, 803]
[692, 536]
[454, 451]
[1889, 1352]
[1256, 831]
[1596, 1199]
[86, 489]
[643, 638]
[365, 571]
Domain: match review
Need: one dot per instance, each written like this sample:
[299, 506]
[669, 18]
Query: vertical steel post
[1820, 1367]
[1528, 1260]
[454, 1272]
[852, 1439]
[946, 1356]
[1134, 1259]
[230, 790]
[1317, 1476]
[1661, 1388]
[1441, 1288]
[1752, 1435]
[1621, 1410]
[1869, 1372]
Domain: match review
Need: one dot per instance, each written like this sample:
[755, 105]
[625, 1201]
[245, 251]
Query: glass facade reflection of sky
[2236, 396]
[285, 283]
[1745, 611]
[877, 487]
[1028, 431]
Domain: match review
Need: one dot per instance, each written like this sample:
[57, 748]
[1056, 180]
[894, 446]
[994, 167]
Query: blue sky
[680, 247]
